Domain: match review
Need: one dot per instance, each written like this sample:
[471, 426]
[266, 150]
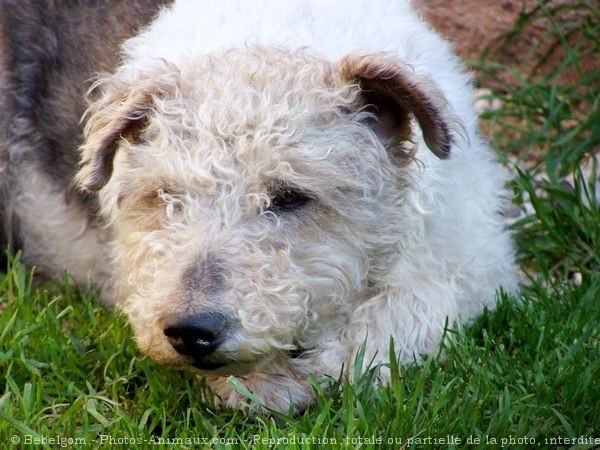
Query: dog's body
[257, 178]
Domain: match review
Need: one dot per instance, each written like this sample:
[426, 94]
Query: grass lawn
[526, 375]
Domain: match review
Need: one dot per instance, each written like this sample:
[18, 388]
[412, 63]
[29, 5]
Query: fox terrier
[263, 187]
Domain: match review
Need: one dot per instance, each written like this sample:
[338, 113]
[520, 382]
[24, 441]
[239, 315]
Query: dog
[264, 188]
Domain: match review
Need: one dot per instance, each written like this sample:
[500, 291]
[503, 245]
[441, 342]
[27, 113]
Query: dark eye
[287, 199]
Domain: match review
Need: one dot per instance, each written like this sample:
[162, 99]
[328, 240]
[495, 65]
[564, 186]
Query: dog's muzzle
[198, 336]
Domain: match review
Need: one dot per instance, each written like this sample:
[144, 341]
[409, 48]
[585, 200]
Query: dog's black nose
[196, 335]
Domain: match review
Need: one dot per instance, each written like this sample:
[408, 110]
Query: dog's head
[256, 197]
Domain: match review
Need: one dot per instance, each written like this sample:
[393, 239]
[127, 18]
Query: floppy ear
[120, 114]
[393, 92]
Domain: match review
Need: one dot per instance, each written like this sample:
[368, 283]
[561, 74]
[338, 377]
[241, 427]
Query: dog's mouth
[237, 367]
[297, 352]
[208, 366]
[225, 368]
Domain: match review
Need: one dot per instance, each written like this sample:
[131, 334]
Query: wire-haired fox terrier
[261, 186]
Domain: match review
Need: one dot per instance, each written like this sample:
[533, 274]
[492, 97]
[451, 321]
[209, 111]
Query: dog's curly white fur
[309, 177]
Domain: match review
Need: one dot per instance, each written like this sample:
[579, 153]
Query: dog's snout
[196, 335]
[204, 275]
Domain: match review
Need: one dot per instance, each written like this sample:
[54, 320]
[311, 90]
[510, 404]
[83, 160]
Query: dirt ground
[474, 26]
[470, 24]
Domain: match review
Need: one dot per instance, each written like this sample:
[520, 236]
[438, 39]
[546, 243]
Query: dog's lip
[222, 365]
[224, 368]
[207, 365]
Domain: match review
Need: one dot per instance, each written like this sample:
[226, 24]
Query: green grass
[530, 370]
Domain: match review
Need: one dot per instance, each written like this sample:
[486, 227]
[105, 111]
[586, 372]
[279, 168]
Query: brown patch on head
[145, 211]
[394, 93]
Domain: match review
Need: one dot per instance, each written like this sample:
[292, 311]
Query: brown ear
[394, 92]
[120, 114]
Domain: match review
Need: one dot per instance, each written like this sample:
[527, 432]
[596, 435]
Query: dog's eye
[287, 199]
[155, 196]
[162, 196]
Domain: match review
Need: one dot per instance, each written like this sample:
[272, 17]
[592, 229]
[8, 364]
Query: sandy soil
[475, 26]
